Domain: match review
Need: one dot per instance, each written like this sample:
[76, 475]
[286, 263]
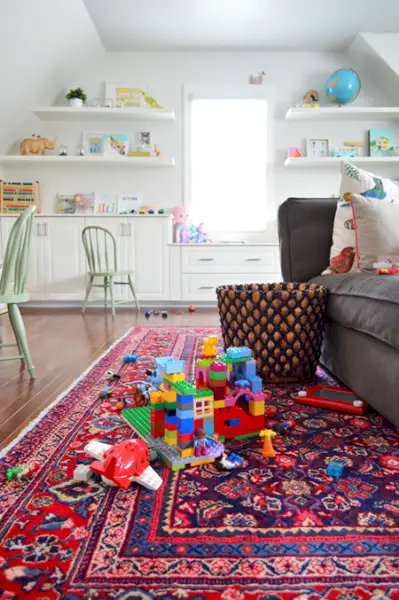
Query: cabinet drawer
[251, 259]
[202, 287]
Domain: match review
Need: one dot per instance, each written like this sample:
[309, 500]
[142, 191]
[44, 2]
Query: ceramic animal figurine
[35, 146]
[157, 151]
[152, 103]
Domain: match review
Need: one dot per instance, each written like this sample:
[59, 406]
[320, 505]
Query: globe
[343, 86]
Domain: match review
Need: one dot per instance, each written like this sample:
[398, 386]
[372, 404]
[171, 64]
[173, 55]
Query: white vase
[76, 102]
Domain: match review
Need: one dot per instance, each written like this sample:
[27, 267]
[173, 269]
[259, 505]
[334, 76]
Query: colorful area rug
[275, 529]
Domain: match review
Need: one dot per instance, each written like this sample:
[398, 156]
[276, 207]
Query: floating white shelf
[87, 161]
[66, 113]
[344, 113]
[331, 161]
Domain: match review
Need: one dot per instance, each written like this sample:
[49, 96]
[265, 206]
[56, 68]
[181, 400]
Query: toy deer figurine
[268, 450]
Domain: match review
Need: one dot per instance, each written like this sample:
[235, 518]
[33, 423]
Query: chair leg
[14, 328]
[20, 334]
[133, 292]
[111, 293]
[88, 290]
[105, 291]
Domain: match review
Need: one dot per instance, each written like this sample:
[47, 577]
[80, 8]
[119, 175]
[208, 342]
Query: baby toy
[112, 375]
[199, 235]
[202, 443]
[325, 397]
[164, 314]
[191, 308]
[285, 426]
[183, 231]
[23, 471]
[226, 462]
[130, 358]
[335, 468]
[35, 146]
[391, 271]
[107, 391]
[268, 450]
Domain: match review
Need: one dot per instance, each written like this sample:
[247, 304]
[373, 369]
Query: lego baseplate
[139, 421]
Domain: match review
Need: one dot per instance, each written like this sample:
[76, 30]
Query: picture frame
[93, 143]
[65, 204]
[126, 95]
[105, 203]
[115, 144]
[381, 143]
[15, 196]
[317, 148]
[129, 203]
[294, 151]
[84, 203]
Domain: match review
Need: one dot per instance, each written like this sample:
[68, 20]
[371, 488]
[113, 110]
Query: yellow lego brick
[229, 367]
[170, 396]
[218, 404]
[186, 452]
[175, 378]
[162, 387]
[156, 398]
[170, 442]
[206, 461]
[256, 408]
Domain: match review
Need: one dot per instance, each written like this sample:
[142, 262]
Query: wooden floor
[63, 343]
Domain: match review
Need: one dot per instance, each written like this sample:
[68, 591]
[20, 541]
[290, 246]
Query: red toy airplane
[326, 397]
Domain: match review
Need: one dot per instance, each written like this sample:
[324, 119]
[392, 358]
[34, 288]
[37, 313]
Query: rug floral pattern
[275, 529]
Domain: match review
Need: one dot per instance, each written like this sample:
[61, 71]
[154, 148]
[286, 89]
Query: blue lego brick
[209, 428]
[242, 383]
[155, 379]
[242, 352]
[184, 426]
[184, 400]
[169, 419]
[256, 384]
[234, 458]
[233, 422]
[335, 469]
[184, 414]
[170, 366]
[249, 368]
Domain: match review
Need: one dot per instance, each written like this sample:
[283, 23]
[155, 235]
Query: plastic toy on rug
[268, 450]
[332, 398]
[122, 464]
[227, 461]
[335, 468]
[183, 418]
[22, 472]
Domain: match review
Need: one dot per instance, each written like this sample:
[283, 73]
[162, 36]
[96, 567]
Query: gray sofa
[361, 339]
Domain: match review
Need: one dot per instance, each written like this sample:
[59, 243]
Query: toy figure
[202, 443]
[183, 231]
[23, 471]
[157, 151]
[199, 235]
[35, 146]
[227, 462]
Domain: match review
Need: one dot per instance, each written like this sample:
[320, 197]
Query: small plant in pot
[76, 97]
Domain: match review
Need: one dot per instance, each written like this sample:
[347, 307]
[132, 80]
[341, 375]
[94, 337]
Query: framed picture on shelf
[129, 204]
[84, 203]
[381, 142]
[65, 204]
[105, 203]
[115, 144]
[93, 143]
[125, 95]
[317, 148]
[294, 152]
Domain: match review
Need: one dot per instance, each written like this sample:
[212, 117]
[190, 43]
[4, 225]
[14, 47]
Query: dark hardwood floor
[63, 343]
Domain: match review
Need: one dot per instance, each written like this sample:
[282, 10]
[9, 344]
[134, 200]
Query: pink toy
[183, 231]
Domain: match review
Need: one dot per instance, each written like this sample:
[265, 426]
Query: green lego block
[232, 361]
[174, 467]
[203, 393]
[139, 418]
[217, 375]
[246, 436]
[157, 406]
[170, 406]
[183, 388]
[205, 362]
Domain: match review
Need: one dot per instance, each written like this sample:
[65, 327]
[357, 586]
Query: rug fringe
[43, 413]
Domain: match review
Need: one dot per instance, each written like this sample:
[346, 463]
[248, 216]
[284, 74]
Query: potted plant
[76, 97]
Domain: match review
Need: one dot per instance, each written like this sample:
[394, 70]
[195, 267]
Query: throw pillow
[355, 181]
[376, 229]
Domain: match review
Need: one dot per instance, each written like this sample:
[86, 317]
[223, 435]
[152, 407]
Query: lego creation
[339, 400]
[184, 420]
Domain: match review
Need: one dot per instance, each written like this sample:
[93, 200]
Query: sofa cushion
[364, 302]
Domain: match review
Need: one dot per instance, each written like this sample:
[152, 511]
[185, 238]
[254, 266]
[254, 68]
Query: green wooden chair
[13, 283]
[102, 260]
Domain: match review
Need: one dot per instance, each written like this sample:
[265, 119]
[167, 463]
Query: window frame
[247, 92]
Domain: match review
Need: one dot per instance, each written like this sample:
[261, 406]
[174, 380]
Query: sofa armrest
[305, 227]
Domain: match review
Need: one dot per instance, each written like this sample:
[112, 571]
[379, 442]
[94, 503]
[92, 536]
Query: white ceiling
[126, 25]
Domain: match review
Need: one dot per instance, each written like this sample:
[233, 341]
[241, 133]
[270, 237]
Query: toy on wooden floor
[130, 358]
[164, 314]
[123, 463]
[148, 314]
[335, 468]
[183, 418]
[15, 197]
[390, 271]
[332, 398]
[285, 426]
[35, 146]
[22, 472]
[268, 450]
[311, 98]
[191, 308]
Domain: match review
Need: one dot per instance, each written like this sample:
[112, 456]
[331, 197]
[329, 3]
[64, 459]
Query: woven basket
[282, 323]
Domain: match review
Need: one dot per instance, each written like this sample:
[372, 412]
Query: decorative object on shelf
[35, 145]
[105, 203]
[294, 151]
[257, 79]
[84, 203]
[108, 103]
[93, 142]
[65, 204]
[143, 141]
[76, 97]
[151, 102]
[140, 154]
[16, 197]
[381, 142]
[199, 235]
[80, 150]
[343, 86]
[161, 211]
[357, 147]
[116, 144]
[181, 220]
[317, 148]
[157, 150]
[96, 103]
[124, 95]
[129, 203]
[311, 98]
[63, 150]
[345, 152]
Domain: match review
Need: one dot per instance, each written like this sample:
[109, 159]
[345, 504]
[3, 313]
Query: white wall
[290, 74]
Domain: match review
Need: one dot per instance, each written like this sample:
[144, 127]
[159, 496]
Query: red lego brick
[185, 437]
[170, 427]
[198, 424]
[217, 383]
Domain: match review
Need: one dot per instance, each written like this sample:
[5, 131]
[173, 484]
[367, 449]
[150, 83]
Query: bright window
[227, 163]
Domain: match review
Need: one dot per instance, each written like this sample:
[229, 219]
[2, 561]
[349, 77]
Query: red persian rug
[275, 529]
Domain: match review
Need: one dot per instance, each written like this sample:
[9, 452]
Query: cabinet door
[119, 229]
[64, 258]
[35, 282]
[148, 248]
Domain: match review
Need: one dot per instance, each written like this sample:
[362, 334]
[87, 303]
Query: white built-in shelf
[344, 113]
[331, 161]
[129, 162]
[90, 113]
